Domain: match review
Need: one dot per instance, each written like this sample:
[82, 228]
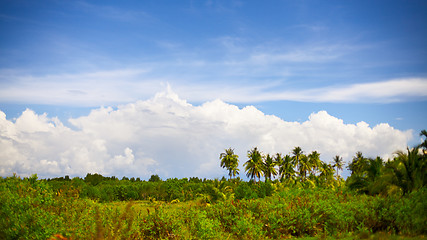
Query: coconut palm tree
[423, 145]
[269, 168]
[377, 180]
[297, 152]
[286, 168]
[409, 170]
[326, 173]
[254, 165]
[374, 169]
[296, 158]
[278, 160]
[337, 163]
[358, 179]
[314, 162]
[230, 161]
[303, 167]
[358, 164]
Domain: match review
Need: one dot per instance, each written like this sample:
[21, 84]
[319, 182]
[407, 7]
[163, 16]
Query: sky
[136, 88]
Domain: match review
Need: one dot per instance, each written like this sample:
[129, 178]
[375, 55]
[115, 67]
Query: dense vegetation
[300, 196]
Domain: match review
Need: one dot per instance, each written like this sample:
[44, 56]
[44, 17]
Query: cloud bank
[166, 135]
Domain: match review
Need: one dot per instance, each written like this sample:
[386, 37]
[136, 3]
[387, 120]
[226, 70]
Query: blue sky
[356, 60]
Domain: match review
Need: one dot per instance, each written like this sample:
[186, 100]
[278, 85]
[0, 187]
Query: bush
[244, 191]
[32, 209]
[207, 228]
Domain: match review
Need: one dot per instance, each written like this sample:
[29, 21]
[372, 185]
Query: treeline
[400, 175]
[404, 173]
[107, 189]
[298, 168]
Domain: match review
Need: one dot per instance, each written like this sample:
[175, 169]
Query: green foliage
[207, 228]
[94, 179]
[409, 213]
[230, 161]
[406, 171]
[269, 168]
[338, 163]
[244, 191]
[249, 190]
[154, 178]
[286, 168]
[378, 198]
[254, 166]
[31, 209]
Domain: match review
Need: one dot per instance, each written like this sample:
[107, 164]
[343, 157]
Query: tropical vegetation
[301, 196]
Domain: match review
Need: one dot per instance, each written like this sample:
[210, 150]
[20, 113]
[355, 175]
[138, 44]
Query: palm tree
[358, 179]
[230, 161]
[269, 168]
[423, 145]
[314, 161]
[253, 166]
[297, 152]
[278, 160]
[377, 181]
[358, 164]
[338, 163]
[303, 167]
[326, 173]
[374, 168]
[286, 168]
[409, 170]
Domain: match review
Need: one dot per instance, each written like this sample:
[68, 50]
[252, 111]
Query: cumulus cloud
[166, 135]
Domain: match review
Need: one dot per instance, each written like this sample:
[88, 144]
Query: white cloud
[396, 90]
[106, 88]
[168, 136]
[309, 53]
[80, 89]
